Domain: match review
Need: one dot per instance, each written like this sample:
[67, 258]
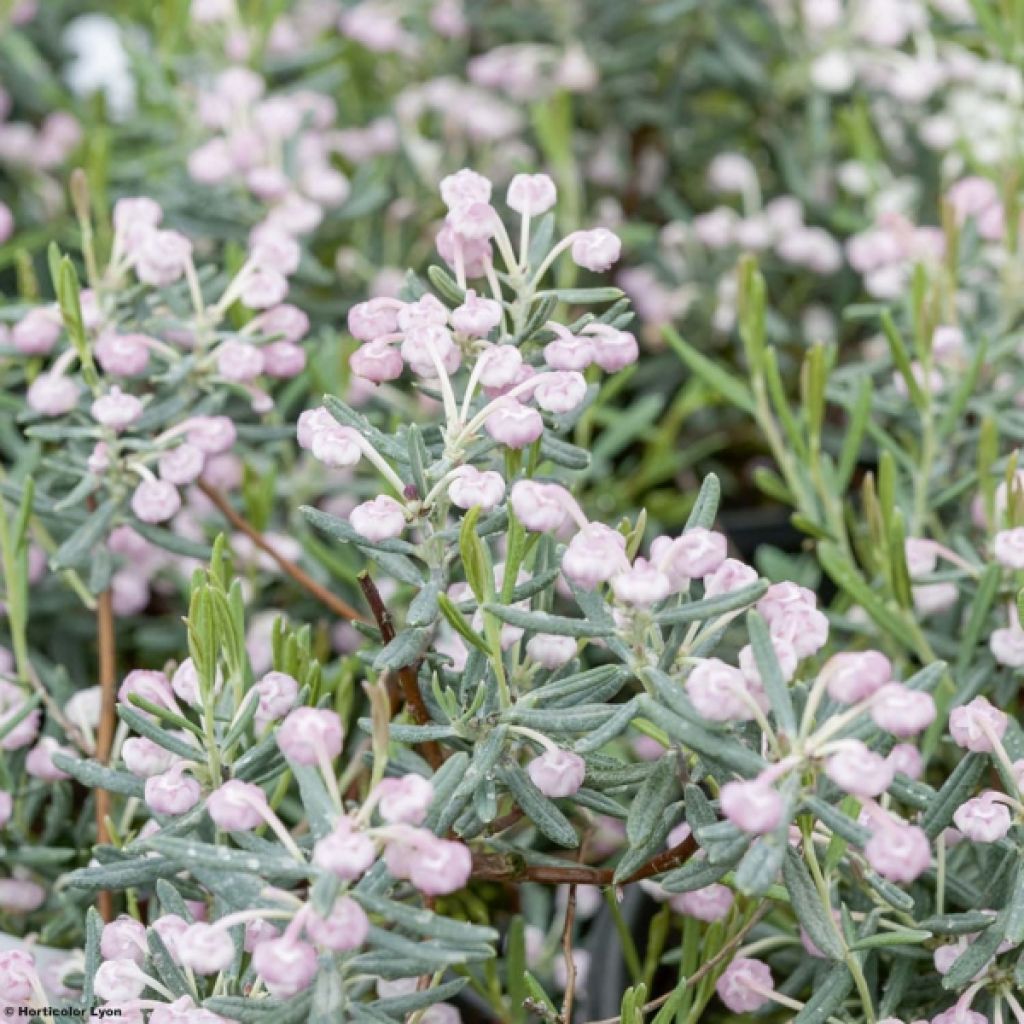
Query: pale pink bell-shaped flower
[308, 731]
[374, 318]
[560, 392]
[557, 773]
[752, 806]
[551, 651]
[161, 257]
[170, 928]
[613, 349]
[902, 711]
[119, 980]
[594, 555]
[377, 362]
[531, 194]
[641, 585]
[859, 771]
[1008, 547]
[906, 758]
[464, 187]
[263, 289]
[852, 676]
[287, 966]
[477, 316]
[710, 903]
[514, 425]
[345, 852]
[205, 948]
[12, 701]
[239, 361]
[237, 806]
[6, 807]
[344, 928]
[36, 333]
[474, 221]
[716, 690]
[172, 792]
[122, 355]
[500, 365]
[50, 395]
[287, 321]
[153, 686]
[211, 434]
[983, 819]
[336, 446]
[116, 410]
[471, 488]
[144, 758]
[124, 938]
[595, 250]
[277, 694]
[973, 725]
[569, 352]
[155, 501]
[922, 556]
[1007, 645]
[382, 518]
[540, 507]
[404, 800]
[181, 465]
[898, 852]
[743, 983]
[39, 761]
[695, 553]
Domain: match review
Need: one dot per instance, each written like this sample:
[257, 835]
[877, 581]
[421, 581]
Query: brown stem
[407, 675]
[570, 962]
[340, 608]
[107, 642]
[499, 868]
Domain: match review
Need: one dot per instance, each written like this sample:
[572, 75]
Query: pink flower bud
[36, 333]
[859, 771]
[98, 461]
[285, 965]
[569, 352]
[935, 598]
[557, 773]
[973, 725]
[18, 977]
[710, 903]
[39, 761]
[426, 311]
[181, 465]
[6, 807]
[161, 257]
[983, 819]
[405, 800]
[898, 852]
[345, 852]
[752, 806]
[345, 927]
[211, 163]
[119, 980]
[853, 676]
[277, 694]
[124, 939]
[902, 711]
[377, 362]
[282, 360]
[542, 508]
[383, 518]
[211, 434]
[500, 366]
[257, 932]
[370, 320]
[116, 410]
[50, 395]
[134, 217]
[560, 393]
[596, 250]
[306, 731]
[474, 221]
[475, 253]
[237, 806]
[20, 895]
[273, 250]
[145, 758]
[551, 651]
[424, 342]
[906, 759]
[514, 425]
[170, 928]
[717, 691]
[743, 983]
[697, 552]
[957, 1014]
[155, 501]
[1007, 645]
[531, 194]
[594, 555]
[476, 317]
[440, 866]
[614, 350]
[239, 361]
[122, 355]
[264, 288]
[922, 556]
[287, 321]
[205, 948]
[642, 585]
[12, 701]
[464, 187]
[6, 223]
[335, 446]
[172, 792]
[472, 489]
[153, 686]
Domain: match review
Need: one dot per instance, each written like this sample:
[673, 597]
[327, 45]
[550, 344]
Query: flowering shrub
[409, 646]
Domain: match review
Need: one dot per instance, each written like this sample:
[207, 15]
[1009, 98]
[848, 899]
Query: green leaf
[711, 607]
[542, 622]
[446, 284]
[98, 776]
[425, 922]
[808, 908]
[616, 724]
[562, 453]
[771, 674]
[485, 757]
[550, 821]
[976, 955]
[660, 789]
[76, 551]
[721, 381]
[902, 360]
[404, 650]
[121, 875]
[705, 507]
[760, 865]
[827, 997]
[883, 940]
[93, 932]
[583, 296]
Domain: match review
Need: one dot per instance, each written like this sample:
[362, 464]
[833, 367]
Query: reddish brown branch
[107, 642]
[407, 675]
[331, 601]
